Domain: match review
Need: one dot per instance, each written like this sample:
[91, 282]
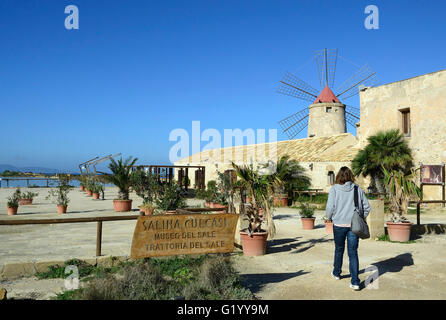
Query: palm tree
[289, 174]
[386, 149]
[261, 189]
[401, 187]
[121, 176]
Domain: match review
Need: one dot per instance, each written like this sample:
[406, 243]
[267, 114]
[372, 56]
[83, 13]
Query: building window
[331, 178]
[405, 121]
[328, 109]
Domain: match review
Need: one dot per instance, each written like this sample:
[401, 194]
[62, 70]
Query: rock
[3, 293]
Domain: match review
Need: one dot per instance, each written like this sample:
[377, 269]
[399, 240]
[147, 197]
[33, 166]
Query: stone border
[15, 270]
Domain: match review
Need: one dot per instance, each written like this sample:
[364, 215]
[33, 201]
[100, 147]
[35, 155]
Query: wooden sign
[432, 174]
[165, 235]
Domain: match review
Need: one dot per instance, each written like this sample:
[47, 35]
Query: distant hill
[9, 167]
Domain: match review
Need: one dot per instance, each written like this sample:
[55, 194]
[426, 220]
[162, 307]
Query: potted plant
[146, 186]
[170, 198]
[254, 238]
[121, 177]
[26, 198]
[401, 187]
[89, 185]
[306, 213]
[82, 181]
[288, 174]
[13, 203]
[328, 225]
[210, 193]
[227, 182]
[59, 195]
[147, 208]
[96, 189]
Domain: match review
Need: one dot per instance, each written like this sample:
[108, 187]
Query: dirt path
[298, 265]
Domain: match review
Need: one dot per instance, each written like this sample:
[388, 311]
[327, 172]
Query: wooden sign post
[165, 235]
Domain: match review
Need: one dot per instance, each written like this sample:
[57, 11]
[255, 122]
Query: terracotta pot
[81, 188]
[308, 223]
[280, 201]
[12, 211]
[170, 212]
[24, 202]
[147, 211]
[254, 245]
[95, 195]
[329, 227]
[89, 193]
[399, 231]
[61, 209]
[217, 205]
[122, 205]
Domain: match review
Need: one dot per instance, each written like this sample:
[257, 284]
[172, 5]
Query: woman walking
[340, 209]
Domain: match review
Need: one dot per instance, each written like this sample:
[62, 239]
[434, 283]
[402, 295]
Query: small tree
[121, 175]
[13, 201]
[289, 174]
[59, 195]
[385, 149]
[170, 197]
[146, 186]
[402, 188]
[261, 189]
[227, 189]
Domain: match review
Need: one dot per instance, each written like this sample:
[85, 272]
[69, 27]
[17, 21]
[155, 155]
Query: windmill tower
[327, 115]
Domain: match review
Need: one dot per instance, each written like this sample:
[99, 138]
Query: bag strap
[355, 197]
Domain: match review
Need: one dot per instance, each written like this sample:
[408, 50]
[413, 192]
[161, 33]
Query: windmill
[327, 115]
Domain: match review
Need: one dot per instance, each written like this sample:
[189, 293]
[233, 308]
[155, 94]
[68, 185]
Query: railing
[27, 180]
[99, 220]
[424, 201]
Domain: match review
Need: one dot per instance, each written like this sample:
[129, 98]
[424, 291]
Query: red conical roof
[326, 96]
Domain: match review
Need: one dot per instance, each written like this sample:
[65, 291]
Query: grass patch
[386, 237]
[413, 211]
[205, 277]
[86, 271]
[318, 198]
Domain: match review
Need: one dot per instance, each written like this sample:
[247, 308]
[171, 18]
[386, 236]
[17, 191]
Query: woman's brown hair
[344, 175]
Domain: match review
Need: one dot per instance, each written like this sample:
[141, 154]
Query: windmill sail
[351, 119]
[295, 123]
[326, 60]
[352, 110]
[293, 86]
[364, 76]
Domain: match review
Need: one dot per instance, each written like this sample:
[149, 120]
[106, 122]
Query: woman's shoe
[354, 287]
[335, 277]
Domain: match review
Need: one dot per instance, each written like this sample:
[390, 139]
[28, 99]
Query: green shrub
[306, 211]
[203, 277]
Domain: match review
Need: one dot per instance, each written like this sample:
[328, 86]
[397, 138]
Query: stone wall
[326, 119]
[425, 97]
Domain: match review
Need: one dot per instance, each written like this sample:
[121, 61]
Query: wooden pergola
[165, 173]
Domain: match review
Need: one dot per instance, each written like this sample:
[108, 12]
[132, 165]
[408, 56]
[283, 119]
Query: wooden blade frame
[295, 87]
[295, 123]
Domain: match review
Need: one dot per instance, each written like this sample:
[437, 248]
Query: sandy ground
[297, 264]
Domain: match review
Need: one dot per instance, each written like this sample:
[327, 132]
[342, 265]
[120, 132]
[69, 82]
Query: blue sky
[135, 70]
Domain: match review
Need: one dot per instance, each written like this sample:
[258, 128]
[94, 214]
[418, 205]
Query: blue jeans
[339, 235]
